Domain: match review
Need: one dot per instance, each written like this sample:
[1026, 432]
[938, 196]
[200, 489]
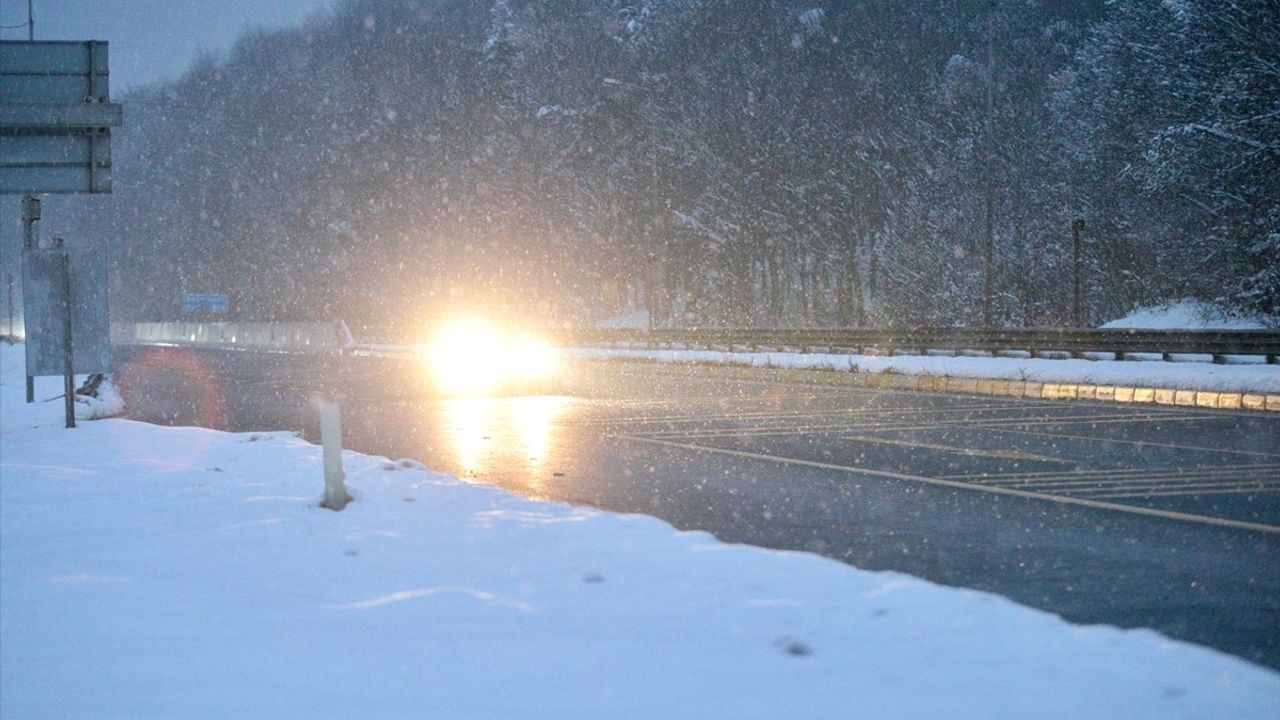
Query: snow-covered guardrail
[1038, 342]
[265, 336]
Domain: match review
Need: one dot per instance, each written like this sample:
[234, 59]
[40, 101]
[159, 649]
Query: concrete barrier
[278, 336]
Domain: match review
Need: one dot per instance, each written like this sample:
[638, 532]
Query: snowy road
[1138, 517]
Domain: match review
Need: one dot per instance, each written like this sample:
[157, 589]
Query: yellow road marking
[1079, 420]
[1061, 499]
[1141, 443]
[1213, 490]
[941, 424]
[1170, 473]
[1105, 473]
[1004, 454]
[1154, 482]
[852, 413]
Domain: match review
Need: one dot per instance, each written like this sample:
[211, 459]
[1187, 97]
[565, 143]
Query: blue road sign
[216, 303]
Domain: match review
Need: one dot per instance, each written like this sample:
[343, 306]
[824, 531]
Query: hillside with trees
[718, 162]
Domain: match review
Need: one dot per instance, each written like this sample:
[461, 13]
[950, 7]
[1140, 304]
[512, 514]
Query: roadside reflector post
[335, 486]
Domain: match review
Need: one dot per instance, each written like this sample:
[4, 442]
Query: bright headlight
[473, 358]
[467, 358]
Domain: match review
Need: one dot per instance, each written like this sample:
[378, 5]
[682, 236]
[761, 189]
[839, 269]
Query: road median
[1253, 387]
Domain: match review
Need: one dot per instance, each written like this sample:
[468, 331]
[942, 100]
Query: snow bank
[1254, 378]
[1184, 315]
[105, 403]
[177, 572]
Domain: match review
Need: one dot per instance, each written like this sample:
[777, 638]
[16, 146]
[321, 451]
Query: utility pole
[1077, 316]
[988, 250]
[31, 21]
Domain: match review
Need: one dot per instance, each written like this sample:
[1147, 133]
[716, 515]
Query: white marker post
[335, 487]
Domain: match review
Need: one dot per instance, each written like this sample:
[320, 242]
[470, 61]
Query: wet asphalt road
[1135, 516]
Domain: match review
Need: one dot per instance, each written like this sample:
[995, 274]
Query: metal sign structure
[55, 137]
[44, 288]
[55, 117]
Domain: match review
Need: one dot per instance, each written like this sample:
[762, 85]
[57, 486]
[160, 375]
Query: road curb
[1172, 397]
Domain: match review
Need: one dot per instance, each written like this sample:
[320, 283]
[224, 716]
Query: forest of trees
[720, 162]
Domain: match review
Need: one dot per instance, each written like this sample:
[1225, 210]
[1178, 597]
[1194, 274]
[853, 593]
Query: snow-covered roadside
[1244, 375]
[1186, 314]
[1258, 378]
[179, 572]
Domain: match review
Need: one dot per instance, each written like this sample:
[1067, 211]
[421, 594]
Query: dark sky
[152, 40]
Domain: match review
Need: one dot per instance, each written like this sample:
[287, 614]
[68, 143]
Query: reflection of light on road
[533, 417]
[503, 440]
[470, 421]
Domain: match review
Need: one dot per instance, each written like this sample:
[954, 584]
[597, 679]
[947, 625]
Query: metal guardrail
[1036, 341]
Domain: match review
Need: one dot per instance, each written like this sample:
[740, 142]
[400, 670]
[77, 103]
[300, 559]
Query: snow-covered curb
[177, 572]
[1258, 378]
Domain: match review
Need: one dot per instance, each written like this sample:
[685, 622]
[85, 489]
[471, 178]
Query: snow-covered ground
[153, 572]
[629, 321]
[1184, 315]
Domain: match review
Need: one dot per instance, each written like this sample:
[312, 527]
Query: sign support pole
[8, 278]
[31, 241]
[68, 376]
